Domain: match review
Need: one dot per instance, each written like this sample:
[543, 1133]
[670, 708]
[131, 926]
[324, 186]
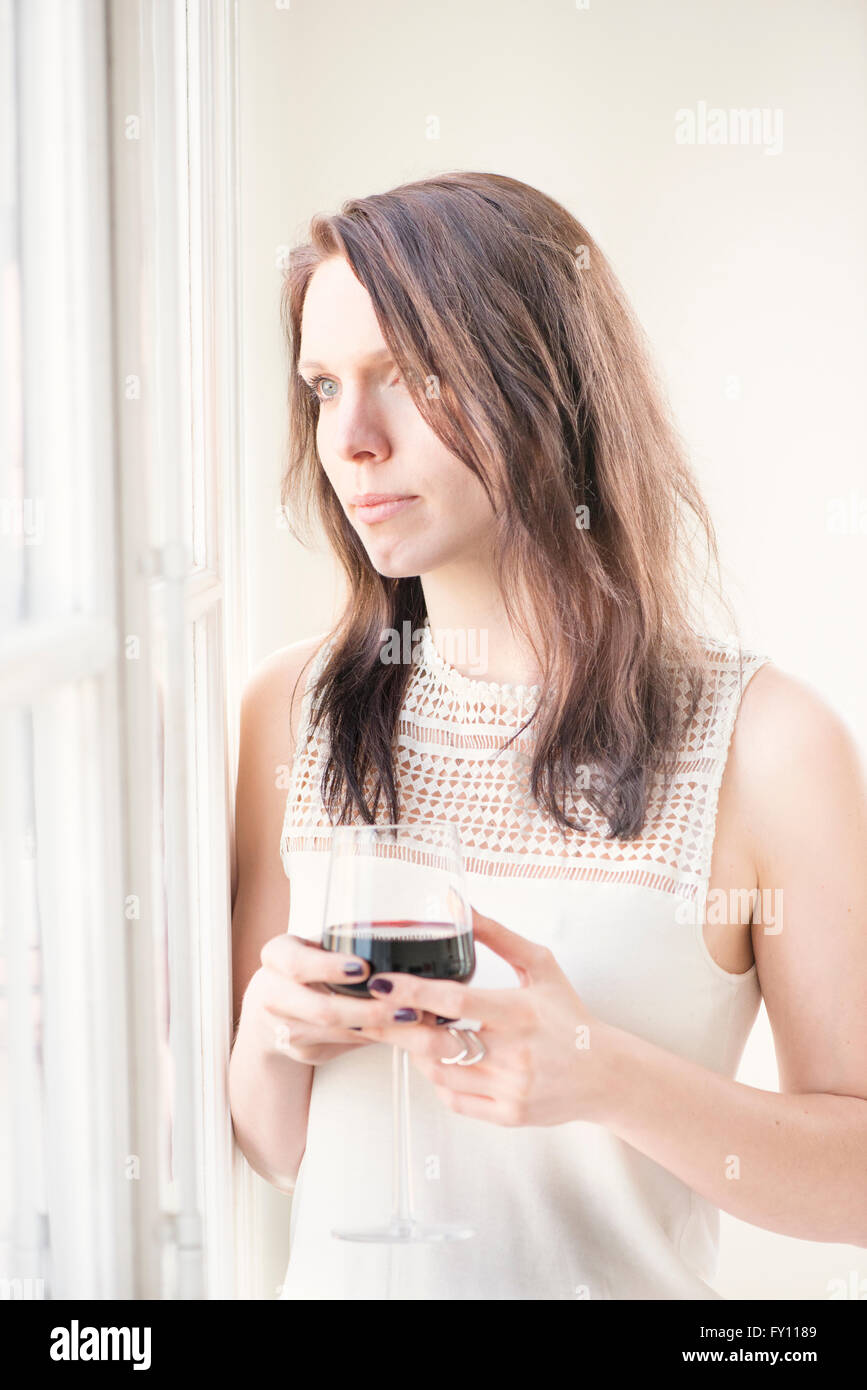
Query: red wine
[434, 950]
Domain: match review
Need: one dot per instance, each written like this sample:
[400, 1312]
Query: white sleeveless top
[561, 1212]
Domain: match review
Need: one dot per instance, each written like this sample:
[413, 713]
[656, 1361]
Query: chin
[406, 557]
[393, 569]
[401, 561]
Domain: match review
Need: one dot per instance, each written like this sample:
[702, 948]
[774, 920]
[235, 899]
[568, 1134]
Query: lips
[378, 506]
[370, 499]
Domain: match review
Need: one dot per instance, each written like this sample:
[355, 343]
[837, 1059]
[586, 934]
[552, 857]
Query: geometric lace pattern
[451, 764]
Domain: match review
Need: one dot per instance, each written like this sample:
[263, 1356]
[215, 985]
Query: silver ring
[461, 1060]
[482, 1050]
[452, 1061]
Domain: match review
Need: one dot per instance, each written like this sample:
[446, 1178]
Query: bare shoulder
[273, 690]
[269, 725]
[795, 761]
[783, 717]
[278, 672]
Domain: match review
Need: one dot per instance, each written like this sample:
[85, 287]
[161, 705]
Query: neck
[471, 630]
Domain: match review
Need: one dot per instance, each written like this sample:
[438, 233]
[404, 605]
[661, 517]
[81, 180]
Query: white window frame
[177, 214]
[58, 668]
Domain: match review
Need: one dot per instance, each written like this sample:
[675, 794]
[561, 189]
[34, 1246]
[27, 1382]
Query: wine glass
[396, 897]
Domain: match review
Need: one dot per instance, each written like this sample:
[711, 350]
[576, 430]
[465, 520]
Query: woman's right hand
[309, 1023]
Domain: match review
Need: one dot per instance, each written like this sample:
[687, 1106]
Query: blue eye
[313, 385]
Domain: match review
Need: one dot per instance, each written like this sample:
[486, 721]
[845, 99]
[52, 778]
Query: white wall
[746, 269]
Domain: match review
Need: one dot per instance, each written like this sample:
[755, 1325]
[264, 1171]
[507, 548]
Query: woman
[658, 827]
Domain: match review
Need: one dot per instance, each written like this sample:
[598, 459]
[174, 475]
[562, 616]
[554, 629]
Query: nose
[359, 429]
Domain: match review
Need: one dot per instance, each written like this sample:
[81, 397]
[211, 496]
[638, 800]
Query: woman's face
[373, 441]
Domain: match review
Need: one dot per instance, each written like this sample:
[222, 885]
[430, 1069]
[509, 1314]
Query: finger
[495, 1112]
[410, 1034]
[287, 1000]
[477, 1080]
[308, 963]
[432, 1046]
[496, 1008]
[528, 958]
[299, 1034]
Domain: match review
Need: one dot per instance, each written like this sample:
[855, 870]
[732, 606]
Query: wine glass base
[404, 1233]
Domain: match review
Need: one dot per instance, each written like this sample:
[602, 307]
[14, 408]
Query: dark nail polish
[380, 986]
[353, 968]
[406, 1016]
[444, 1020]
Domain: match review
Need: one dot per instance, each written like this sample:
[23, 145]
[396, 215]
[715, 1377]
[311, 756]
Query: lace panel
[451, 764]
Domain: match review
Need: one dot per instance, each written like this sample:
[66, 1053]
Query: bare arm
[269, 1092]
[793, 1161]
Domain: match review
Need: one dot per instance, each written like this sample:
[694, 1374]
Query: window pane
[18, 519]
[212, 931]
[63, 226]
[64, 1121]
[24, 1253]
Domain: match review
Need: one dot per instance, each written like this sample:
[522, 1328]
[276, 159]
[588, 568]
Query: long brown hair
[545, 391]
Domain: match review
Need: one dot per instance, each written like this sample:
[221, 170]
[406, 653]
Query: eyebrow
[380, 355]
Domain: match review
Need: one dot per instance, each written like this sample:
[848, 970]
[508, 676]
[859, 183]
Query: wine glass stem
[401, 1181]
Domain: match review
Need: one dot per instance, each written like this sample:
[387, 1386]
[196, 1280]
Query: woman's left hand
[546, 1058]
